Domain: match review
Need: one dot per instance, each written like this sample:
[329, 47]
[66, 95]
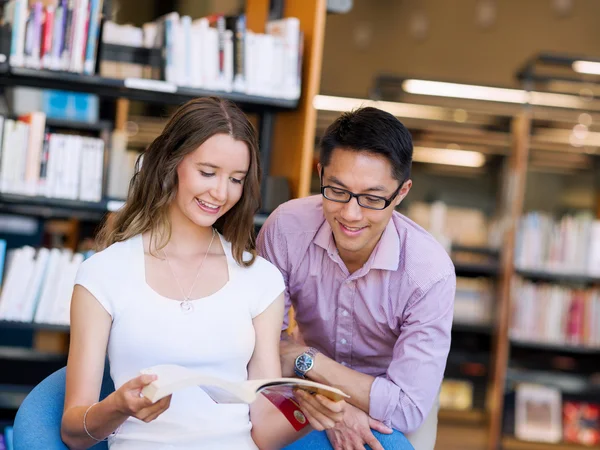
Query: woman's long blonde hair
[154, 185]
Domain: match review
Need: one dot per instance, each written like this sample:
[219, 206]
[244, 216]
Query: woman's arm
[90, 329]
[270, 428]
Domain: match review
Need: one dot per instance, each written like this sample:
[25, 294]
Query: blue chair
[37, 423]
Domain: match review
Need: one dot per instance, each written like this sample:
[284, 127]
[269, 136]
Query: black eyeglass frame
[388, 201]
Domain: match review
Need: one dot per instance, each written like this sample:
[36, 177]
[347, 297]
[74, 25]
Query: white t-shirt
[217, 339]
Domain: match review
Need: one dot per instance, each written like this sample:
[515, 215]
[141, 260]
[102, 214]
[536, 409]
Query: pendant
[186, 307]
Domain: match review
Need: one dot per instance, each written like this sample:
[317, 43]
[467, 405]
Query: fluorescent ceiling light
[447, 156]
[343, 104]
[494, 94]
[589, 67]
[442, 89]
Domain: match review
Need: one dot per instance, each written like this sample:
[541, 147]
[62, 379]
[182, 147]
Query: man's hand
[354, 431]
[288, 352]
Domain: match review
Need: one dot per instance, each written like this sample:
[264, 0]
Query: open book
[172, 378]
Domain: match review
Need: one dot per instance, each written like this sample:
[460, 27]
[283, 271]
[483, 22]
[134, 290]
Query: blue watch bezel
[307, 355]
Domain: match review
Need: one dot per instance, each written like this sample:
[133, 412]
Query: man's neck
[355, 260]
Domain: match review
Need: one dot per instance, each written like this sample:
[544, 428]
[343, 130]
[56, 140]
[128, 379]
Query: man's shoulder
[300, 215]
[423, 258]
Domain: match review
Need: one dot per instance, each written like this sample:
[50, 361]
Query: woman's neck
[187, 238]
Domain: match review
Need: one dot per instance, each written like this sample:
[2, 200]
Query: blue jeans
[318, 440]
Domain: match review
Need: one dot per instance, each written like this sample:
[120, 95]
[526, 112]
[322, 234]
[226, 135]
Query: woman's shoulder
[113, 256]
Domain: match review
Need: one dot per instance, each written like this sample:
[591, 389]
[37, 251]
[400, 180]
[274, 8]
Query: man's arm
[403, 397]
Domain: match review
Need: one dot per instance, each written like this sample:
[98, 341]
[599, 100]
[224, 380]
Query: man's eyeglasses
[336, 194]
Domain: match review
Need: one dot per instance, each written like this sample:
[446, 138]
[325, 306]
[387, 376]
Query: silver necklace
[186, 306]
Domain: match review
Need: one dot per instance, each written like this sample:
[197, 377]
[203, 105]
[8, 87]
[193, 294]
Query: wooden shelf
[472, 328]
[475, 417]
[32, 326]
[510, 443]
[557, 277]
[29, 354]
[487, 269]
[100, 125]
[476, 250]
[12, 395]
[53, 207]
[155, 91]
[555, 347]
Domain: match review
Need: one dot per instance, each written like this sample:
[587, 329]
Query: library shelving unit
[286, 135]
[435, 126]
[534, 139]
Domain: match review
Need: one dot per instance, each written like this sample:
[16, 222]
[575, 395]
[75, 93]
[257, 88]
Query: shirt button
[344, 313]
[343, 341]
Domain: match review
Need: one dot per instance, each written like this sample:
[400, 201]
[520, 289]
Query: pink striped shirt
[391, 319]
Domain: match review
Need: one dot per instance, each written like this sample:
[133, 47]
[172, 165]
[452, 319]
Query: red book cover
[581, 423]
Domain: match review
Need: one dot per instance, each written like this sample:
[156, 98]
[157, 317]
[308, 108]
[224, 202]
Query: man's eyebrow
[213, 166]
[377, 188]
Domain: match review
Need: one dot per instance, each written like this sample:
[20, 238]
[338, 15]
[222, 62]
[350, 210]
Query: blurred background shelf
[561, 348]
[476, 269]
[472, 328]
[511, 443]
[473, 417]
[12, 395]
[557, 277]
[132, 89]
[52, 207]
[32, 326]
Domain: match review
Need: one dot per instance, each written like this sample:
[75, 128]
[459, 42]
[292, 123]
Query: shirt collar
[386, 255]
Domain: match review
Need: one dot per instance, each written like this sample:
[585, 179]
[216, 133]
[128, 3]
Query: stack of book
[54, 34]
[38, 285]
[570, 245]
[473, 300]
[35, 162]
[215, 53]
[554, 314]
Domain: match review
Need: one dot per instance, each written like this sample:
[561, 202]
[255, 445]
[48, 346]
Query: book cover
[581, 423]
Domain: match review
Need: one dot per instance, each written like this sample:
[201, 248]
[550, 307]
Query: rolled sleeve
[271, 245]
[404, 396]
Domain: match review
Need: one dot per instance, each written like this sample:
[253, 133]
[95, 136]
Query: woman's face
[211, 179]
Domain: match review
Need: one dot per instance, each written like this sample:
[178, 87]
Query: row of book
[542, 414]
[38, 284]
[215, 53]
[568, 245]
[54, 34]
[35, 162]
[473, 301]
[555, 314]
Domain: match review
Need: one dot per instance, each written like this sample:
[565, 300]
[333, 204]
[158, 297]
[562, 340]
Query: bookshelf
[133, 89]
[286, 131]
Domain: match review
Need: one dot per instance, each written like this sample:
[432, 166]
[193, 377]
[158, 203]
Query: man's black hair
[370, 130]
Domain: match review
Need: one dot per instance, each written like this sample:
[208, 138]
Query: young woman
[178, 282]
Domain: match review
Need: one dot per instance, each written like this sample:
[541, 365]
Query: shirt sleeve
[272, 246]
[91, 277]
[270, 286]
[404, 396]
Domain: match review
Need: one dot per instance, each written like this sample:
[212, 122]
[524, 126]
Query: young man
[373, 293]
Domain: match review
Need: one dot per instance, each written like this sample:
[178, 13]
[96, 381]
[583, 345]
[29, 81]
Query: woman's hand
[130, 401]
[322, 413]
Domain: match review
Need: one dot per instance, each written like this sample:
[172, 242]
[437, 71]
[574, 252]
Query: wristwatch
[305, 362]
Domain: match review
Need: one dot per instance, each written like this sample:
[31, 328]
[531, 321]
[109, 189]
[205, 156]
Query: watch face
[304, 363]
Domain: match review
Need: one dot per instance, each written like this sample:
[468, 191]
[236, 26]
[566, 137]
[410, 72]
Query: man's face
[357, 229]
